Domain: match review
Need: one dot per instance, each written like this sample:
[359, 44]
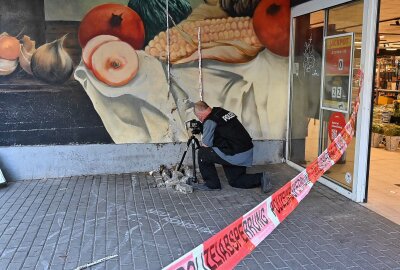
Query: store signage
[338, 56]
[335, 125]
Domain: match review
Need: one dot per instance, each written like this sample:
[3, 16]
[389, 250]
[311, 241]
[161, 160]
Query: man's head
[201, 110]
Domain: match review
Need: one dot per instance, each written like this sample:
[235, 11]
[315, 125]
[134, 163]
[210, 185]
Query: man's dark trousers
[237, 176]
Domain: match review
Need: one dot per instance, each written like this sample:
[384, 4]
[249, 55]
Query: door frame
[367, 64]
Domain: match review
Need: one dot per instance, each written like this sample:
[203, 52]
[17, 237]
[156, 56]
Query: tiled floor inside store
[384, 175]
[384, 183]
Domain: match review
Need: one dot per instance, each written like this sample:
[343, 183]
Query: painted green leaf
[153, 14]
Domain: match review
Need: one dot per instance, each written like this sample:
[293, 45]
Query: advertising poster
[336, 123]
[336, 90]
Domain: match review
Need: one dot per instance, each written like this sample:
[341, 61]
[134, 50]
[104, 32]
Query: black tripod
[193, 141]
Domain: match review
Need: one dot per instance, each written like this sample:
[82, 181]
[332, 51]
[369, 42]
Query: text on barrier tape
[228, 247]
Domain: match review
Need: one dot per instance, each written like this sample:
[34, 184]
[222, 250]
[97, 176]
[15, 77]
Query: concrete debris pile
[172, 178]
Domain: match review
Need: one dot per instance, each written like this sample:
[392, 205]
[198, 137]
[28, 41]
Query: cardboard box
[382, 100]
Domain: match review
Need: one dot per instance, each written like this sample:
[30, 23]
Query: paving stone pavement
[68, 222]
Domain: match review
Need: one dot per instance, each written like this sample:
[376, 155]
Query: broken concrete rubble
[159, 181]
[177, 174]
[184, 188]
[171, 183]
[184, 179]
[171, 178]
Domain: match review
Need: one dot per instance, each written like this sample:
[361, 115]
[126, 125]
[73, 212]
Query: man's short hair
[200, 106]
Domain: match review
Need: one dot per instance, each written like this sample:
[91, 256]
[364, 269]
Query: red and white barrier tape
[228, 247]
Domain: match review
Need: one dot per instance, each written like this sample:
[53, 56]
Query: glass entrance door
[315, 115]
[342, 22]
[304, 139]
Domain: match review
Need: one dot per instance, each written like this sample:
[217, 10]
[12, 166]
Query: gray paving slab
[68, 222]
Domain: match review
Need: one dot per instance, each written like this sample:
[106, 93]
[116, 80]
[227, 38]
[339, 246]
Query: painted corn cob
[229, 39]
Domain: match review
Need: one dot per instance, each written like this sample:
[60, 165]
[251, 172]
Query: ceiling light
[391, 49]
[381, 36]
[357, 42]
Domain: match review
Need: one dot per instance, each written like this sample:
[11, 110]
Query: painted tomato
[271, 21]
[115, 20]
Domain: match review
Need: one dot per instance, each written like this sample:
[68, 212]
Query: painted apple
[115, 20]
[9, 47]
[92, 45]
[271, 21]
[115, 63]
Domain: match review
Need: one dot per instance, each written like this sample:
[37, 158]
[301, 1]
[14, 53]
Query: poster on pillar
[337, 65]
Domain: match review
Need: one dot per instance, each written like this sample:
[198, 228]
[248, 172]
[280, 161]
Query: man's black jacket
[230, 136]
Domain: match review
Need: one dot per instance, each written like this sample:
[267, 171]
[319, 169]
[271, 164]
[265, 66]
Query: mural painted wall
[114, 58]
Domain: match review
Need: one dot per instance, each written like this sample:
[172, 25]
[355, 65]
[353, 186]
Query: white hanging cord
[199, 56]
[168, 49]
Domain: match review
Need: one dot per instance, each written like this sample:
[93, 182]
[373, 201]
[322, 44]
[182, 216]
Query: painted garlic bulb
[51, 63]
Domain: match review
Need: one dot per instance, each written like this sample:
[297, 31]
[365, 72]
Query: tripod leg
[194, 161]
[183, 157]
[197, 142]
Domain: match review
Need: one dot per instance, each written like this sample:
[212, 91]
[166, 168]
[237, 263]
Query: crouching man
[225, 141]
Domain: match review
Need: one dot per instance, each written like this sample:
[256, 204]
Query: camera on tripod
[195, 126]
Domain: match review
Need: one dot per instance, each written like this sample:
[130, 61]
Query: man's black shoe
[266, 185]
[203, 187]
